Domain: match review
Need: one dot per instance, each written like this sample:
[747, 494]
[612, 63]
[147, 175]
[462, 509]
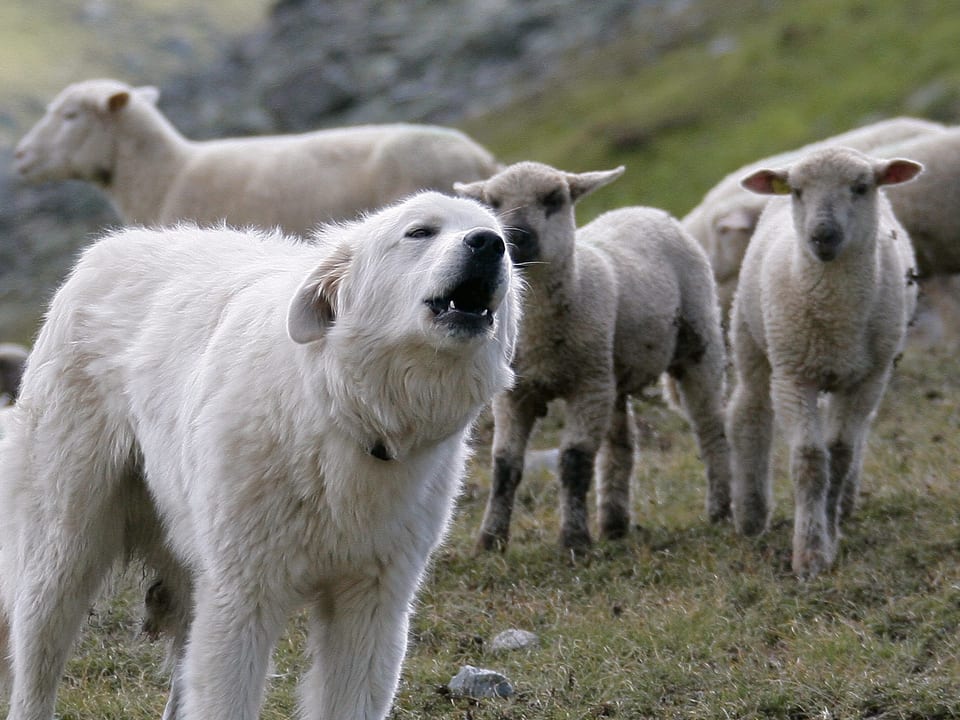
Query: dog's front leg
[358, 637]
[233, 633]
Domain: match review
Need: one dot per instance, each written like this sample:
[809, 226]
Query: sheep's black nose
[827, 235]
[485, 242]
[826, 240]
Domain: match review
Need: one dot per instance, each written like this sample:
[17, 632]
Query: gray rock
[513, 639]
[480, 683]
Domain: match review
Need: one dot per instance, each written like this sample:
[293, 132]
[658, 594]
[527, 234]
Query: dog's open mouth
[466, 307]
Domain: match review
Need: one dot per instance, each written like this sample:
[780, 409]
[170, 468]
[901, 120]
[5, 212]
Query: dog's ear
[314, 305]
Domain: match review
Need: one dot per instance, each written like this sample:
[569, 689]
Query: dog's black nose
[485, 242]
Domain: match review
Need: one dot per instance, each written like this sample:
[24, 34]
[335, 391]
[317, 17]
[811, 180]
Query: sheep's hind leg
[750, 430]
[699, 382]
[615, 468]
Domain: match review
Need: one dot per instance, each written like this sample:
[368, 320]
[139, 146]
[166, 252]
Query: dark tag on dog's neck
[379, 451]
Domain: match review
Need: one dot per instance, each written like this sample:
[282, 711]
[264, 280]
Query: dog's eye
[421, 232]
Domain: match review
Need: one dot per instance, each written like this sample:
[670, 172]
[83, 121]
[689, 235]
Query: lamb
[111, 134]
[12, 359]
[607, 309]
[724, 220]
[822, 307]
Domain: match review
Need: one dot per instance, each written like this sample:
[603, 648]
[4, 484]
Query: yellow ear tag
[780, 186]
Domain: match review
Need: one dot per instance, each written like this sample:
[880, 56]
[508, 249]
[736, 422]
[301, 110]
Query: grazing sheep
[113, 135]
[285, 421]
[823, 304]
[607, 309]
[12, 359]
[724, 221]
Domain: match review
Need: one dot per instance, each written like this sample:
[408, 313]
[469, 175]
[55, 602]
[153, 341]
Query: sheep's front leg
[849, 416]
[586, 422]
[796, 408]
[514, 413]
[750, 430]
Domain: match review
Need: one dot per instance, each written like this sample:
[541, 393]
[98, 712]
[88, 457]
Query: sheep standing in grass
[724, 220]
[823, 304]
[113, 135]
[607, 309]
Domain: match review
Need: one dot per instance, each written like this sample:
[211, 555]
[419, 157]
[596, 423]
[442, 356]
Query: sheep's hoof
[490, 542]
[807, 565]
[718, 512]
[576, 540]
[614, 527]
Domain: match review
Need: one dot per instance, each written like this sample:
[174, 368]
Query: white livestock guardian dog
[285, 422]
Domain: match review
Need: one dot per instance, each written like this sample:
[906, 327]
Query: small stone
[513, 639]
[480, 683]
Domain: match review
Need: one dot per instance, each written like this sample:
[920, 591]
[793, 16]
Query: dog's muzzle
[469, 305]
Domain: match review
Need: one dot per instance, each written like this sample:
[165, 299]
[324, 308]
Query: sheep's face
[834, 197]
[75, 138]
[534, 202]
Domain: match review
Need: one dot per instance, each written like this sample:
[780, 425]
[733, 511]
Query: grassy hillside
[760, 77]
[685, 619]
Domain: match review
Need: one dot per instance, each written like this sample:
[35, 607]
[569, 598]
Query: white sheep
[12, 359]
[822, 307]
[929, 207]
[607, 309]
[111, 134]
[724, 220]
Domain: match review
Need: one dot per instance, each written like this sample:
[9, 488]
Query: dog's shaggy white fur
[273, 425]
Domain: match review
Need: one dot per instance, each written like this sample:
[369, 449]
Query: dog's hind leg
[72, 532]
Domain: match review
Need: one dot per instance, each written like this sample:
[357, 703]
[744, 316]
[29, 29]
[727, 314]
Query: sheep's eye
[552, 201]
[494, 203]
[70, 115]
[421, 232]
[859, 188]
[797, 193]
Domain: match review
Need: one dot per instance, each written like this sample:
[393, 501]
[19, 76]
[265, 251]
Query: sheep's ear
[898, 170]
[148, 93]
[582, 184]
[117, 101]
[313, 308]
[767, 182]
[472, 190]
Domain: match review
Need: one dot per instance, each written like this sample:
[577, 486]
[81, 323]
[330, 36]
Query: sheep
[607, 309]
[12, 359]
[724, 220]
[111, 134]
[825, 295]
[929, 207]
